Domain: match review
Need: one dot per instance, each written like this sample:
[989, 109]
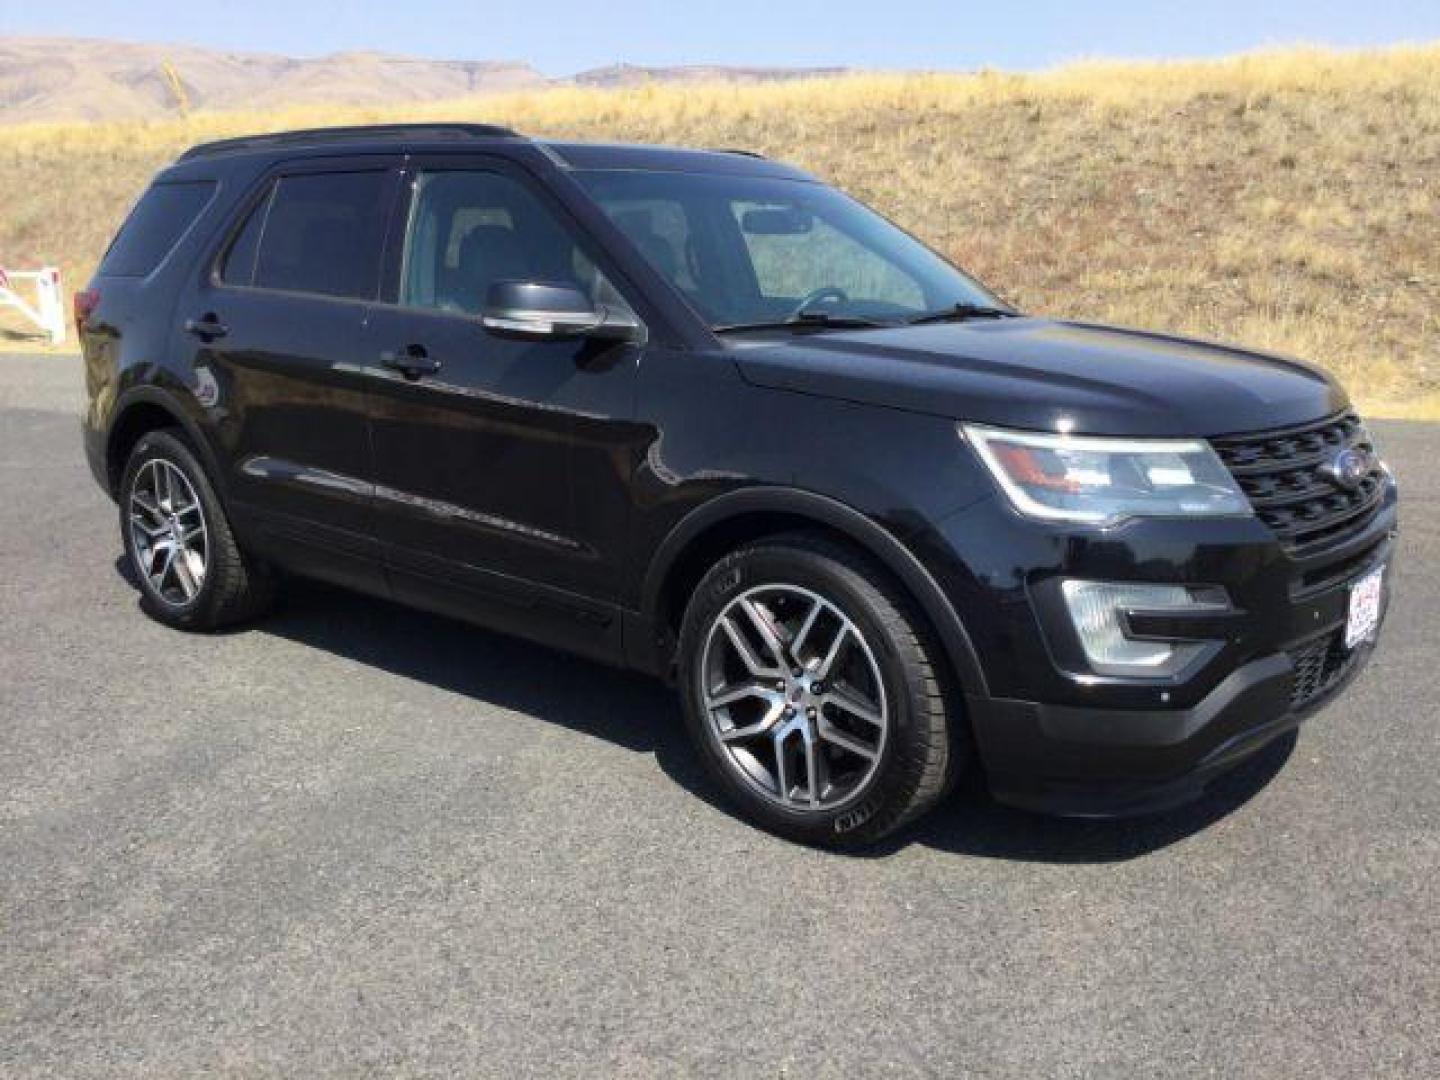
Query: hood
[1034, 373]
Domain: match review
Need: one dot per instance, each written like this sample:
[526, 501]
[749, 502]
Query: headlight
[1101, 481]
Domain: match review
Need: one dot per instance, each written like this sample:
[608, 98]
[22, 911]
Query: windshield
[748, 250]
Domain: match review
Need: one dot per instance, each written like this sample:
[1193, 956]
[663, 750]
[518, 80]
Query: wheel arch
[142, 410]
[719, 526]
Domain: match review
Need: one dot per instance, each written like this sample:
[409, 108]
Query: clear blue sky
[563, 36]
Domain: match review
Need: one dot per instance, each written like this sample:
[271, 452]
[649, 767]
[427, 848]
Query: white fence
[47, 311]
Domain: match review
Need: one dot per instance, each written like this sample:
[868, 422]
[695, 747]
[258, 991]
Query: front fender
[865, 532]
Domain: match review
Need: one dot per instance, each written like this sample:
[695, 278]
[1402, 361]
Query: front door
[483, 443]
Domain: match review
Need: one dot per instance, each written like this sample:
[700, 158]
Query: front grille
[1318, 667]
[1280, 472]
[1331, 573]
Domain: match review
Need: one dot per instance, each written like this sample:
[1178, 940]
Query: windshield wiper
[962, 311]
[808, 317]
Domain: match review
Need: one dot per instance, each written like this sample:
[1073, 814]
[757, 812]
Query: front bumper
[1056, 740]
[1081, 762]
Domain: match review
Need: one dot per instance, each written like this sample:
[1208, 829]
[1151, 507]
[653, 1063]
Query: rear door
[502, 469]
[273, 326]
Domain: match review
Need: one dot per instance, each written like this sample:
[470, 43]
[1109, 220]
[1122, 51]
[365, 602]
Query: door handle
[207, 327]
[412, 361]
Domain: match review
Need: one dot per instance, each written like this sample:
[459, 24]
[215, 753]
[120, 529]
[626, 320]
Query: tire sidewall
[165, 446]
[777, 565]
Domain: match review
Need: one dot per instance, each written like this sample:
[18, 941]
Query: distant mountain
[83, 79]
[87, 79]
[631, 74]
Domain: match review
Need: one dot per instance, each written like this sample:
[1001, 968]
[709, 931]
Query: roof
[621, 156]
[451, 136]
[359, 136]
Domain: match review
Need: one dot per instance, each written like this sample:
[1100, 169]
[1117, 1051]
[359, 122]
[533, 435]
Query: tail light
[86, 301]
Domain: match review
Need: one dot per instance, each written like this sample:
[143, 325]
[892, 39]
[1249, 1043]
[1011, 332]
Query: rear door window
[155, 226]
[323, 233]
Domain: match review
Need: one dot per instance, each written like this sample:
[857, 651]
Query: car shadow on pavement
[971, 823]
[640, 714]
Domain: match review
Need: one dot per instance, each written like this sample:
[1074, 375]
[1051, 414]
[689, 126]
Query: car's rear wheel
[191, 572]
[813, 694]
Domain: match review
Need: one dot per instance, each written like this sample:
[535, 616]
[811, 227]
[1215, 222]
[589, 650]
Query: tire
[224, 586]
[863, 780]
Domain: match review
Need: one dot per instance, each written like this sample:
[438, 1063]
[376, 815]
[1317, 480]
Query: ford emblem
[1349, 467]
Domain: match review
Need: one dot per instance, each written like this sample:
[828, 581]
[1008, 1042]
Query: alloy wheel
[794, 697]
[168, 532]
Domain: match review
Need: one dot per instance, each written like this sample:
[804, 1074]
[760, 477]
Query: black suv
[697, 414]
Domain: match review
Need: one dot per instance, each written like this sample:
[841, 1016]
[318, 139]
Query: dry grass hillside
[58, 79]
[1289, 200]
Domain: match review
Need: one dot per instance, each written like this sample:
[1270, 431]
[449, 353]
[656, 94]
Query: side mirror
[535, 309]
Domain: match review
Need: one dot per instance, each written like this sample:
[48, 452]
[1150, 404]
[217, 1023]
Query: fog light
[1097, 609]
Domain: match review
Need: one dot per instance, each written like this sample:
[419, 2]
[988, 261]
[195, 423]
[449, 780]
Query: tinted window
[323, 233]
[470, 229]
[238, 266]
[153, 228]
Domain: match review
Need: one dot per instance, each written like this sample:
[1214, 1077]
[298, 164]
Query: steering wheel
[815, 296]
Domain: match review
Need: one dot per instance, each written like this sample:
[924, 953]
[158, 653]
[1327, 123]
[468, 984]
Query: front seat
[489, 253]
[637, 226]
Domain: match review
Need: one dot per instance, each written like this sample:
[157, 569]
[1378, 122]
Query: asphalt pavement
[354, 840]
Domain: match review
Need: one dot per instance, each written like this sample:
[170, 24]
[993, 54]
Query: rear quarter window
[155, 226]
[237, 267]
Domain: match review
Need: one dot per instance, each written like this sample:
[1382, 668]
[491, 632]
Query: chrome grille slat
[1287, 496]
[1280, 473]
[1264, 467]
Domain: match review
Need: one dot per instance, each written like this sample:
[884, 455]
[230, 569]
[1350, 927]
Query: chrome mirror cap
[537, 309]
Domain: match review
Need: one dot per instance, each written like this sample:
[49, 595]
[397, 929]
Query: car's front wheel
[813, 694]
[191, 572]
